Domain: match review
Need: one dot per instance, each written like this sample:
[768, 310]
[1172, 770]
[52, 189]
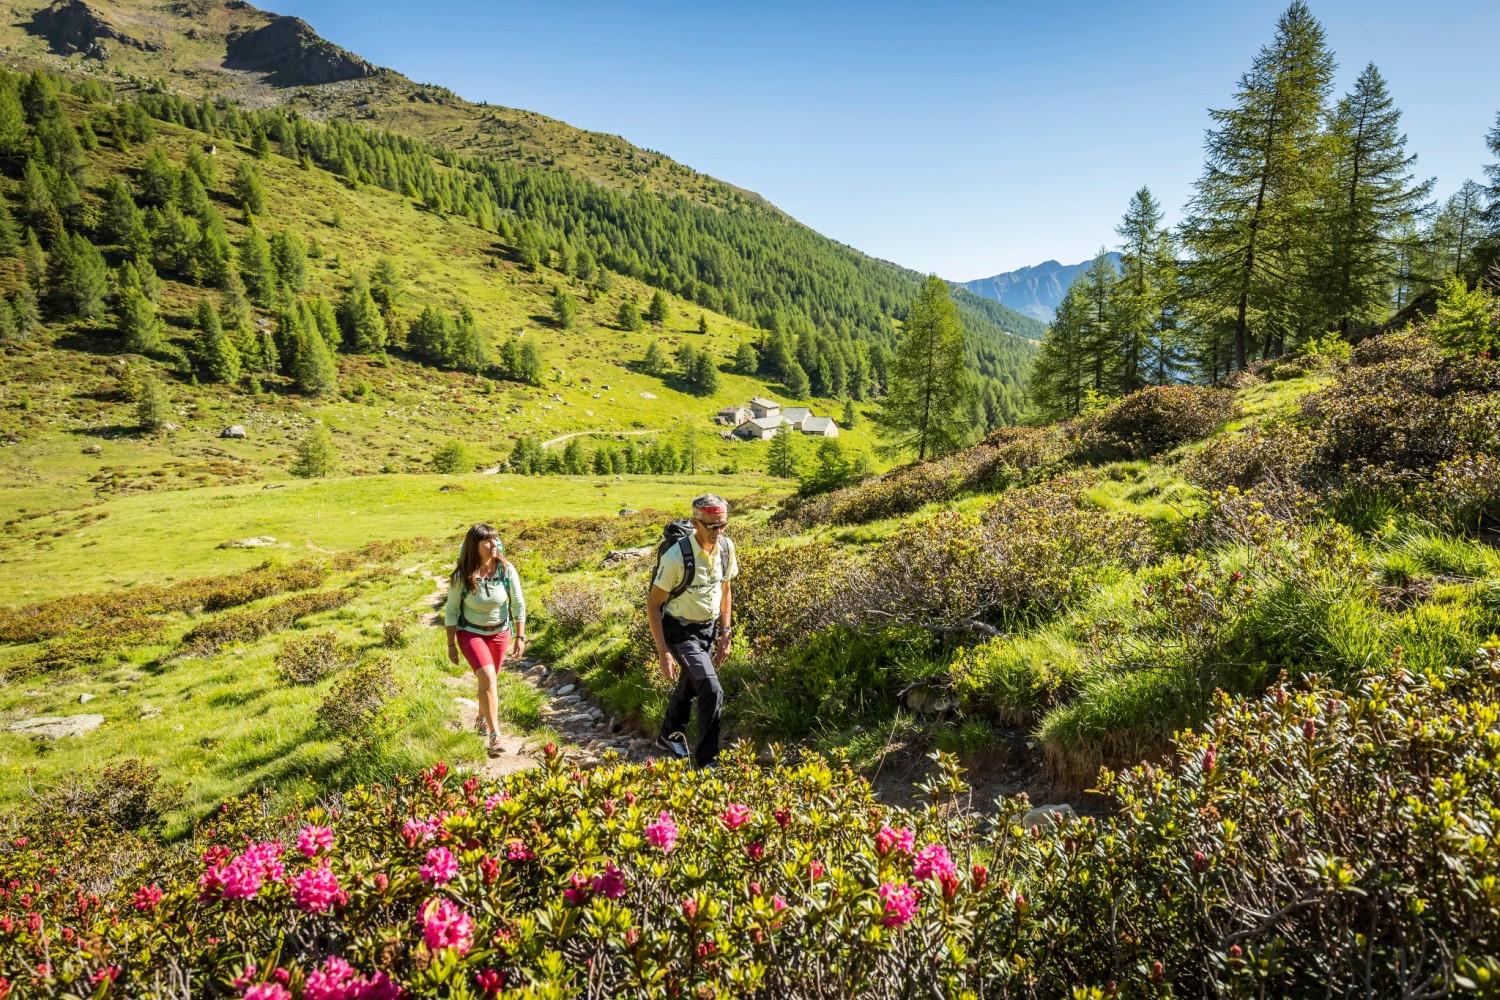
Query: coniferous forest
[1309, 225]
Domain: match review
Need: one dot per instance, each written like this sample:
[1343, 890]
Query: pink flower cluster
[445, 925]
[516, 850]
[736, 816]
[241, 877]
[611, 883]
[337, 980]
[313, 839]
[146, 897]
[441, 867]
[662, 833]
[900, 902]
[268, 991]
[577, 891]
[933, 861]
[424, 831]
[901, 840]
[316, 890]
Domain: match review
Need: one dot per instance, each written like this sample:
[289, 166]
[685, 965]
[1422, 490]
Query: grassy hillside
[61, 396]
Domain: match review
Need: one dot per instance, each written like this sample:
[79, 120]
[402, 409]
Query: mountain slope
[639, 212]
[1032, 291]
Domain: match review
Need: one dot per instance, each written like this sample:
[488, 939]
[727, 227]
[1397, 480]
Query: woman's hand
[518, 647]
[452, 653]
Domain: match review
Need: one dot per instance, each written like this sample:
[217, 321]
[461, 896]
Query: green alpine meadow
[1149, 652]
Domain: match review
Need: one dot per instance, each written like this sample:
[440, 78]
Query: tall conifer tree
[926, 410]
[1248, 219]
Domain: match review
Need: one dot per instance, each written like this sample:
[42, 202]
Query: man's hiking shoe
[674, 744]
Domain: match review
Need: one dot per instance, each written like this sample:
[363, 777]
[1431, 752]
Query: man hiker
[689, 612]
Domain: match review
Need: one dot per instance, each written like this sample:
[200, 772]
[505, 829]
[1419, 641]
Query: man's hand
[668, 666]
[721, 649]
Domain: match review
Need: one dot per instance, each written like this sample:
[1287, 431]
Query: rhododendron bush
[1313, 841]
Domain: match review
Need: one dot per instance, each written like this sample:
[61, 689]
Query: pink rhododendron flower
[1210, 757]
[610, 884]
[901, 840]
[900, 902]
[516, 850]
[415, 831]
[312, 839]
[778, 904]
[317, 889]
[445, 925]
[756, 851]
[337, 980]
[441, 866]
[243, 979]
[577, 892]
[240, 880]
[783, 817]
[216, 856]
[933, 861]
[146, 897]
[268, 991]
[490, 980]
[662, 833]
[815, 869]
[736, 816]
[491, 803]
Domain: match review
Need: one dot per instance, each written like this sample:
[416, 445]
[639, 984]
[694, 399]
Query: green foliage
[1155, 419]
[656, 312]
[1467, 323]
[221, 359]
[453, 458]
[359, 318]
[152, 409]
[782, 459]
[316, 454]
[77, 279]
[307, 659]
[629, 317]
[139, 326]
[926, 407]
[564, 309]
[745, 360]
[655, 360]
[249, 189]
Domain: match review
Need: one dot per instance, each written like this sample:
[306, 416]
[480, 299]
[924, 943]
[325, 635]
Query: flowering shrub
[1308, 842]
[1156, 418]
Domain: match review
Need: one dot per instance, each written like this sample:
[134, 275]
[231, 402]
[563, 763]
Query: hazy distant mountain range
[1032, 291]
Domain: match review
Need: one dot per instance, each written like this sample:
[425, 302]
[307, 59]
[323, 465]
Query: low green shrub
[246, 626]
[1154, 419]
[307, 659]
[394, 633]
[351, 710]
[1018, 679]
[1463, 495]
[574, 607]
[127, 796]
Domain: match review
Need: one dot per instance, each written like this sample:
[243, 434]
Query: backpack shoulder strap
[724, 546]
[689, 566]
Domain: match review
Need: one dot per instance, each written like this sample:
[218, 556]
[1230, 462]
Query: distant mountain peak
[1032, 291]
[291, 53]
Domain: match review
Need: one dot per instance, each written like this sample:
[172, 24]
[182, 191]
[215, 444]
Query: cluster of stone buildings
[762, 419]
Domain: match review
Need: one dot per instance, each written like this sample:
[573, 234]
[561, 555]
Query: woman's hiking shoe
[495, 749]
[674, 744]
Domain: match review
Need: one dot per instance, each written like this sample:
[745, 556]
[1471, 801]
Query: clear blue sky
[961, 138]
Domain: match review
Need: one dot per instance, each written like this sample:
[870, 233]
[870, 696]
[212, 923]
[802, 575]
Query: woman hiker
[484, 604]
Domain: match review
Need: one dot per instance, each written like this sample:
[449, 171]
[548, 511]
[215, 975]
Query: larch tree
[1370, 198]
[1143, 306]
[926, 409]
[1246, 226]
[1058, 372]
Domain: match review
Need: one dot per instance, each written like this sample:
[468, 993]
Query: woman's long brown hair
[469, 559]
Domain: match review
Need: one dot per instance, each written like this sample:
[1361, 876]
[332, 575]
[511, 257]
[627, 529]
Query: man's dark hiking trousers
[692, 643]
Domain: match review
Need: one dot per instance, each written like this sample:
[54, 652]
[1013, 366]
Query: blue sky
[960, 138]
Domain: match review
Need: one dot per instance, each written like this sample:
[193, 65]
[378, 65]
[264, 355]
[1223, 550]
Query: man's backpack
[680, 534]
